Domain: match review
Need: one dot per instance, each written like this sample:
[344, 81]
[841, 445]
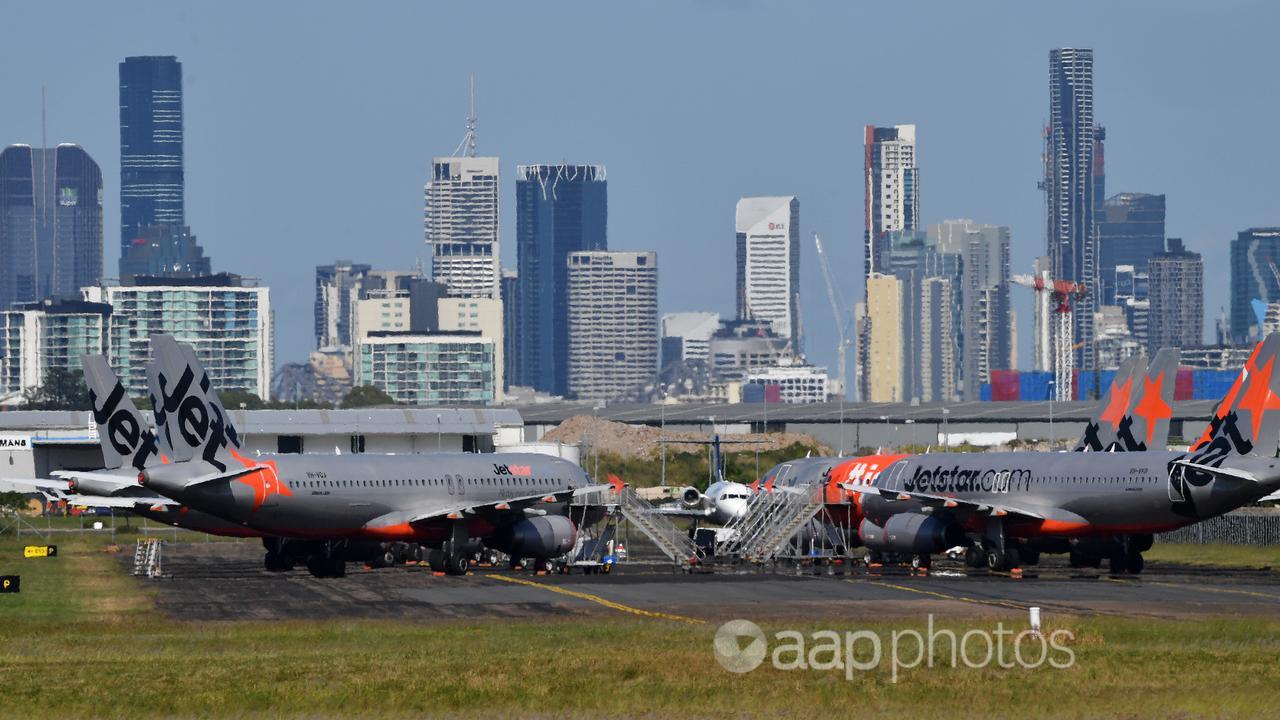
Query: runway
[226, 581]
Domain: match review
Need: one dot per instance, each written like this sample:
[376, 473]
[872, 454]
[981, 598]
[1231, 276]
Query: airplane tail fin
[189, 415]
[122, 431]
[1101, 432]
[1245, 422]
[1146, 422]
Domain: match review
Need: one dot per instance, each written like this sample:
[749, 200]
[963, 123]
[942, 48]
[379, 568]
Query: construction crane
[1062, 293]
[844, 321]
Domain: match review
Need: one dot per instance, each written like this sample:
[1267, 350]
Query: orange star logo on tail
[1258, 398]
[1118, 404]
[265, 480]
[1152, 407]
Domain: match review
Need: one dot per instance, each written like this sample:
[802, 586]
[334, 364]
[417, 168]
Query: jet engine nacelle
[691, 497]
[547, 536]
[910, 533]
[91, 486]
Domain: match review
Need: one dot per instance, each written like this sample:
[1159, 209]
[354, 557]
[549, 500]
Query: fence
[1237, 528]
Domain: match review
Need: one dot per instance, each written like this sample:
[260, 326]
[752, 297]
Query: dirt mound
[641, 441]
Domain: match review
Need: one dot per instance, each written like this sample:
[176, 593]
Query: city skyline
[285, 211]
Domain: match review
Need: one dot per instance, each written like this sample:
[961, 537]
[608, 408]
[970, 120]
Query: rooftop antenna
[469, 140]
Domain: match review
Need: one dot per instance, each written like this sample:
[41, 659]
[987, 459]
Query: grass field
[1243, 556]
[82, 640]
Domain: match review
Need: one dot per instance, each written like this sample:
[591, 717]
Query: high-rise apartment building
[1069, 185]
[462, 225]
[226, 318]
[430, 370]
[38, 337]
[338, 287]
[1130, 231]
[613, 323]
[152, 186]
[560, 209]
[986, 326]
[50, 223]
[768, 250]
[1255, 256]
[892, 187]
[1176, 317]
[885, 368]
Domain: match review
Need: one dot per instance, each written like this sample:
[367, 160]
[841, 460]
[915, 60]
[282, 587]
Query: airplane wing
[526, 504]
[41, 484]
[942, 501]
[117, 501]
[675, 511]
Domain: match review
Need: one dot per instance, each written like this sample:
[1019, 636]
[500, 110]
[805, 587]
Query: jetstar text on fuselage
[958, 480]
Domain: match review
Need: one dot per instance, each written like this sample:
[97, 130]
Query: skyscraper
[1069, 185]
[50, 223]
[892, 187]
[151, 166]
[1176, 318]
[462, 225]
[613, 323]
[986, 329]
[560, 209]
[1255, 254]
[1130, 231]
[338, 287]
[768, 249]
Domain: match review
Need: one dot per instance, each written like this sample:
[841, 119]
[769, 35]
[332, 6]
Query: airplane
[1011, 506]
[1111, 428]
[319, 505]
[724, 501]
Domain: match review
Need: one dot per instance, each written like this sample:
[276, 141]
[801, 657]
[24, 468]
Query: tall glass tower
[151, 174]
[560, 209]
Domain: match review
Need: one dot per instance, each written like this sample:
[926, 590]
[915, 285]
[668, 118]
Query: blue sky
[309, 127]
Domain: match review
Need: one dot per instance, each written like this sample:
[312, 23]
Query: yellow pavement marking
[599, 600]
[943, 596]
[1184, 586]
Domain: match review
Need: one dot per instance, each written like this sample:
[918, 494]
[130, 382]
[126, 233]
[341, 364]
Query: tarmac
[226, 581]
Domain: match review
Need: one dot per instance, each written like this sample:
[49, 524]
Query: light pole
[662, 438]
[946, 438]
[439, 432]
[1052, 390]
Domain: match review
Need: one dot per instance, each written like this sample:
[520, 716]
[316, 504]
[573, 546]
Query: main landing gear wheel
[975, 557]
[278, 561]
[1003, 561]
[457, 564]
[337, 566]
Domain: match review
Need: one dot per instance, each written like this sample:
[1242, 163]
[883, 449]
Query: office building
[1069, 185]
[796, 384]
[462, 225]
[38, 337]
[768, 250]
[560, 209]
[1254, 256]
[928, 279]
[226, 318]
[1130, 231]
[885, 368]
[510, 319]
[986, 325]
[1176, 317]
[152, 185]
[613, 323]
[338, 288]
[476, 315]
[50, 223]
[686, 336]
[937, 347]
[428, 369]
[741, 346]
[892, 187]
[164, 251]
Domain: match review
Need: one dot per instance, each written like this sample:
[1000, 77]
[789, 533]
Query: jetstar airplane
[1113, 427]
[1011, 506]
[128, 446]
[513, 502]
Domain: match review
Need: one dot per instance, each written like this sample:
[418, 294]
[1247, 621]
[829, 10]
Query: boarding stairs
[674, 542]
[147, 559]
[772, 519]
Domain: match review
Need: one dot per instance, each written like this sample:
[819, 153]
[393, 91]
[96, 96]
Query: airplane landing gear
[277, 561]
[1003, 561]
[328, 562]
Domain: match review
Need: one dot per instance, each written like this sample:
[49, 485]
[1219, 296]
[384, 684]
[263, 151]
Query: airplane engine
[911, 533]
[90, 486]
[691, 497]
[543, 537]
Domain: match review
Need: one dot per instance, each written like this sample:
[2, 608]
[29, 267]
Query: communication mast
[468, 144]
